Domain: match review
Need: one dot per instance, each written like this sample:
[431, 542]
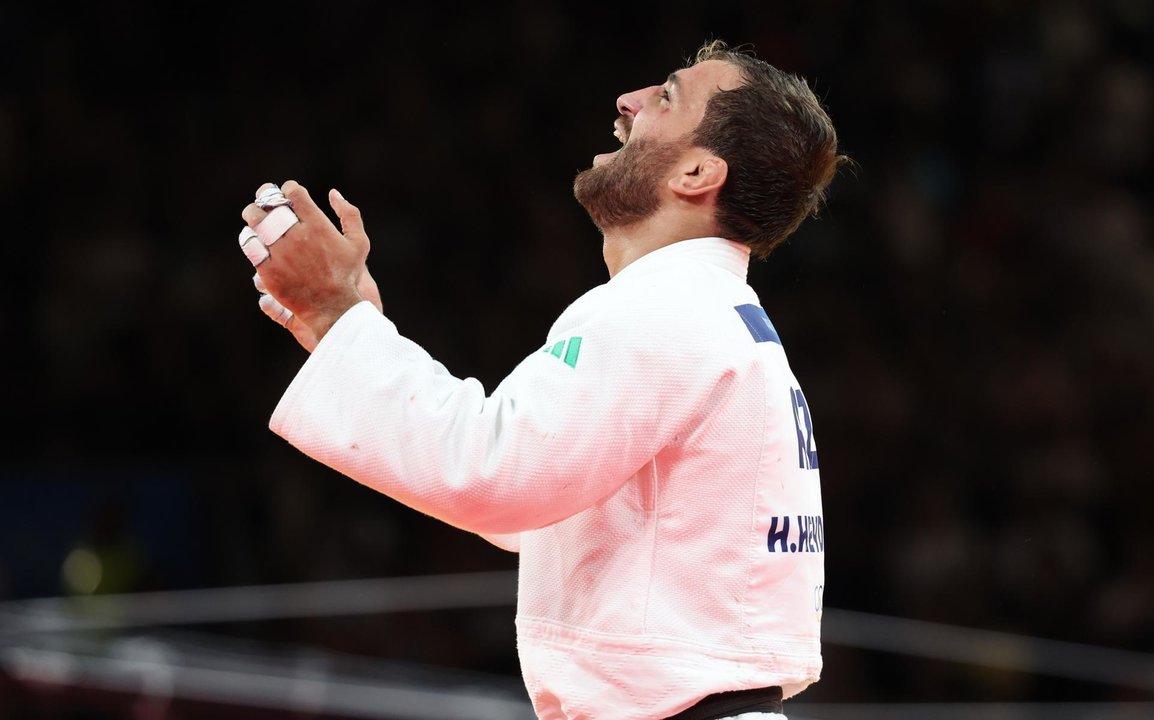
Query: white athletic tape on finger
[259, 283]
[272, 200]
[275, 310]
[267, 193]
[271, 188]
[252, 247]
[276, 224]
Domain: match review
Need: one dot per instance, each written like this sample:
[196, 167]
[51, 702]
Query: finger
[252, 247]
[275, 224]
[264, 187]
[270, 225]
[277, 312]
[258, 282]
[271, 196]
[252, 215]
[303, 204]
[350, 215]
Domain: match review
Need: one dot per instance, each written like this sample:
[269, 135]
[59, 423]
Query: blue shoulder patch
[758, 323]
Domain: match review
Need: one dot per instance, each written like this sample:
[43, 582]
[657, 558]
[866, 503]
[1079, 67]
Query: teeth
[617, 134]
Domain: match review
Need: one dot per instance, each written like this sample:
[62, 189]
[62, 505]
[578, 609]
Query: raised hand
[310, 273]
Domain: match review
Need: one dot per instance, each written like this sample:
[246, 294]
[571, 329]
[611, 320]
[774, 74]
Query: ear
[699, 174]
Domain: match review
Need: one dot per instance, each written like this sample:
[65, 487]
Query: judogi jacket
[654, 464]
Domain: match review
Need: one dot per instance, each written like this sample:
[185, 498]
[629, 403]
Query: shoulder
[689, 312]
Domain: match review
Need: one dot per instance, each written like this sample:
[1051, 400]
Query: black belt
[729, 704]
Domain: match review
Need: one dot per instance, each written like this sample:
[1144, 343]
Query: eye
[664, 94]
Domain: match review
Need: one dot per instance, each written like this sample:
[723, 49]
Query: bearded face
[625, 189]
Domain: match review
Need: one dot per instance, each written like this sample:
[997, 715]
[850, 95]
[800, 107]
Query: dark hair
[780, 147]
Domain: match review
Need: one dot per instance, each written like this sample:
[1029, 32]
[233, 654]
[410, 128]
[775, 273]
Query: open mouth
[621, 128]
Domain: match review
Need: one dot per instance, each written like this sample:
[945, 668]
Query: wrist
[321, 318]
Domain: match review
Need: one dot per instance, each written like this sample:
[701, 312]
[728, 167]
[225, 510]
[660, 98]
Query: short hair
[779, 144]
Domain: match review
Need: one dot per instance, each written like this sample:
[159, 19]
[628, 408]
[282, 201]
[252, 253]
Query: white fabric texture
[643, 477]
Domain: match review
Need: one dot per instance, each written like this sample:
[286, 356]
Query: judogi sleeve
[561, 432]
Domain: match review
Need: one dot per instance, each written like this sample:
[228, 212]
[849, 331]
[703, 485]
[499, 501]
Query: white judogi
[654, 464]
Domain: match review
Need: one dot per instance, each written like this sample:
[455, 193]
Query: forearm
[375, 407]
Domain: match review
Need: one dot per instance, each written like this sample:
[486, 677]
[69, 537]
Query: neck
[625, 244]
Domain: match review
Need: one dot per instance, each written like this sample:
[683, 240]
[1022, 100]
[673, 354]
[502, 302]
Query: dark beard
[625, 190]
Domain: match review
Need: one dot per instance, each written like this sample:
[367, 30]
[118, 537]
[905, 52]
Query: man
[654, 463]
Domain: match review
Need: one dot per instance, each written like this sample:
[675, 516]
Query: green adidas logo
[570, 348]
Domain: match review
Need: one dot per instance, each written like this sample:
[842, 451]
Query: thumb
[349, 214]
[351, 223]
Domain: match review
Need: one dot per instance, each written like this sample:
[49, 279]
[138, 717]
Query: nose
[631, 103]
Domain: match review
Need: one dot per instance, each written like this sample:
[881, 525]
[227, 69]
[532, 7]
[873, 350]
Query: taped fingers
[268, 197]
[276, 224]
[266, 221]
[271, 196]
[252, 247]
[265, 187]
[279, 313]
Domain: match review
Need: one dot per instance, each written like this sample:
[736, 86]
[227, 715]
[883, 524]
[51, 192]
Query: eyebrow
[674, 81]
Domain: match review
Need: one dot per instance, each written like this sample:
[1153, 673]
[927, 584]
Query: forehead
[699, 82]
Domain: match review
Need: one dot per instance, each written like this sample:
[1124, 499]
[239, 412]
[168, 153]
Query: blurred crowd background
[972, 315]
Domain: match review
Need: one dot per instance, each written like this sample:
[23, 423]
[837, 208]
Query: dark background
[971, 316]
